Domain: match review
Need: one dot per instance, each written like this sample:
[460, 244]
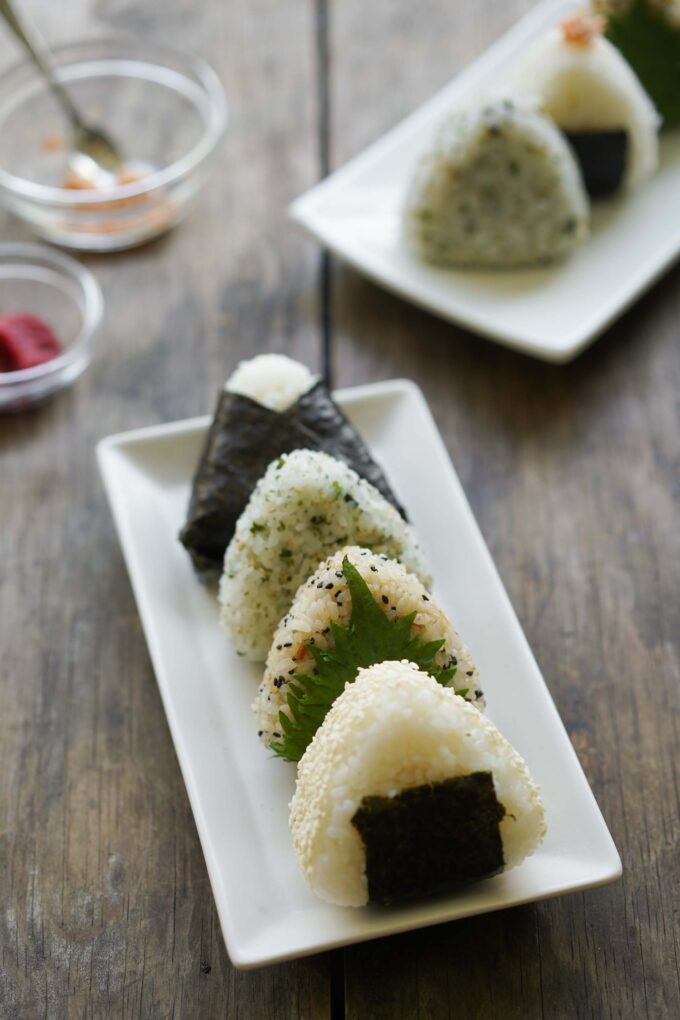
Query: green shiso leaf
[652, 47]
[370, 637]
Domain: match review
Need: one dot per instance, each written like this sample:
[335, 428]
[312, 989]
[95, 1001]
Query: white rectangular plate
[238, 791]
[552, 312]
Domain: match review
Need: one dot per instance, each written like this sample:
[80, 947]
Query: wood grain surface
[573, 473]
[107, 909]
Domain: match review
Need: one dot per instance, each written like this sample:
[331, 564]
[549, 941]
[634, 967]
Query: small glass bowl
[67, 297]
[167, 111]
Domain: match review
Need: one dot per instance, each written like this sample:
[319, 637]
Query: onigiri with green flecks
[305, 507]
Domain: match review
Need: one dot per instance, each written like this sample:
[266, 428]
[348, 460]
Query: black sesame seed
[339, 573]
[279, 647]
[288, 644]
[259, 733]
[320, 585]
[374, 569]
[329, 585]
[478, 694]
[469, 672]
[425, 598]
[385, 599]
[291, 671]
[454, 660]
[276, 733]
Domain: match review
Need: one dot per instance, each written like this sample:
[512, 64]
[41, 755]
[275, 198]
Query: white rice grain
[273, 380]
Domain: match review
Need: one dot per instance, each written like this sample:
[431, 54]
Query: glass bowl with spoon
[104, 144]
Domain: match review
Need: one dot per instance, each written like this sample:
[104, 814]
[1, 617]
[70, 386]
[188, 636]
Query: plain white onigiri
[392, 729]
[589, 86]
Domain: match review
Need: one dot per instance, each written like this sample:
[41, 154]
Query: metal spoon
[94, 156]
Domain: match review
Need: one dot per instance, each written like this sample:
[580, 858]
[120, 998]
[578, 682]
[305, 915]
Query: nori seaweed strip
[319, 412]
[602, 159]
[430, 838]
[243, 439]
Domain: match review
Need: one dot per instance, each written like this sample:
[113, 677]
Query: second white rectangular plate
[238, 791]
[551, 312]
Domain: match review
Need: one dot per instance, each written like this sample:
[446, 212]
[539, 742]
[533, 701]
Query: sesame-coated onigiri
[306, 506]
[325, 598]
[437, 792]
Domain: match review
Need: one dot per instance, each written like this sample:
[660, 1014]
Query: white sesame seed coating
[392, 729]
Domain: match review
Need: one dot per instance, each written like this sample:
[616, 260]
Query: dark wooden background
[573, 473]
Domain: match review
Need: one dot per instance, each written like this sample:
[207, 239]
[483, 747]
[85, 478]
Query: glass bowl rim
[207, 80]
[92, 308]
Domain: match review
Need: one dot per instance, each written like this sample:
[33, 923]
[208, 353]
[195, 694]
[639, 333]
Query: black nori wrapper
[317, 410]
[242, 441]
[602, 156]
[429, 838]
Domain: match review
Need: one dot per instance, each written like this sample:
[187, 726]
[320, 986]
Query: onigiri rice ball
[407, 789]
[325, 598]
[588, 88]
[305, 507]
[498, 187]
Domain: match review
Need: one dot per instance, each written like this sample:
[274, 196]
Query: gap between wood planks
[324, 142]
[337, 956]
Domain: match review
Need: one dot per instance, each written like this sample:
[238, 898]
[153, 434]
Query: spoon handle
[42, 61]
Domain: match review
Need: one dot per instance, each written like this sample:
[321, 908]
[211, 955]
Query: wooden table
[574, 476]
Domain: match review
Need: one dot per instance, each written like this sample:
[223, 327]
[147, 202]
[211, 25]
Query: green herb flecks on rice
[305, 507]
[499, 187]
